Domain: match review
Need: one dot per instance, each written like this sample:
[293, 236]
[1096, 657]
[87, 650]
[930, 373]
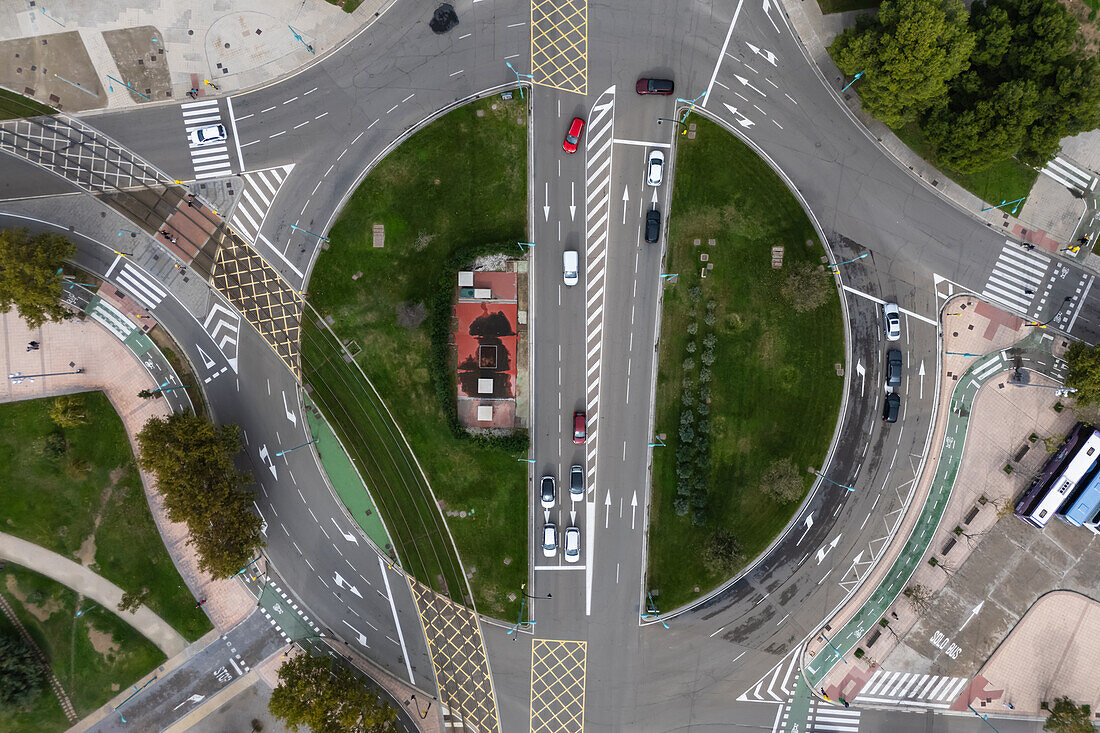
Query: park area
[747, 388]
[441, 205]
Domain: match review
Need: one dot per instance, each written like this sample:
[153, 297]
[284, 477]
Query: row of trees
[30, 274]
[193, 461]
[1010, 78]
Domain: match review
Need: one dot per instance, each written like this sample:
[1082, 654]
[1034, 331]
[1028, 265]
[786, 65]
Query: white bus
[1062, 488]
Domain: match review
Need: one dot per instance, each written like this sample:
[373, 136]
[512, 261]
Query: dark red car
[579, 428]
[573, 137]
[655, 86]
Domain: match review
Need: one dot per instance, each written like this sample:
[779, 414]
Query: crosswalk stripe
[198, 105]
[1031, 264]
[912, 683]
[197, 123]
[262, 175]
[955, 689]
[260, 191]
[928, 687]
[221, 165]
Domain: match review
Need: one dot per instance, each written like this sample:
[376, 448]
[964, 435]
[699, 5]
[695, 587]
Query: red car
[573, 137]
[655, 86]
[579, 431]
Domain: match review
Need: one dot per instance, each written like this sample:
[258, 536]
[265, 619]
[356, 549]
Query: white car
[208, 135]
[656, 167]
[893, 321]
[548, 492]
[549, 539]
[572, 544]
[570, 267]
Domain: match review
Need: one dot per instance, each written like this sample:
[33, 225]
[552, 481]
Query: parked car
[579, 428]
[892, 315]
[652, 226]
[573, 137]
[548, 492]
[549, 539]
[891, 407]
[208, 135]
[893, 368]
[570, 262]
[576, 483]
[655, 86]
[572, 544]
[656, 167]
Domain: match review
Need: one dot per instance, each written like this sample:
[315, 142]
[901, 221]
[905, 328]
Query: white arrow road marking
[862, 372]
[973, 612]
[572, 516]
[263, 522]
[362, 637]
[767, 7]
[193, 698]
[745, 82]
[766, 55]
[920, 373]
[741, 119]
[607, 505]
[206, 360]
[546, 205]
[633, 505]
[268, 462]
[626, 197]
[336, 578]
[572, 200]
[289, 412]
[348, 537]
[809, 523]
[826, 550]
[654, 201]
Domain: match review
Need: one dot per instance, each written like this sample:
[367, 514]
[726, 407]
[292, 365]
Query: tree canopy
[69, 410]
[21, 675]
[30, 277]
[1066, 717]
[908, 53]
[193, 461]
[1083, 374]
[782, 481]
[327, 698]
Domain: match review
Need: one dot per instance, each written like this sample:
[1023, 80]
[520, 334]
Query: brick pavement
[112, 368]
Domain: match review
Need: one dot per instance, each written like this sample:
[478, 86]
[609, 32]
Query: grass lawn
[843, 6]
[14, 105]
[94, 656]
[348, 6]
[775, 392]
[1007, 180]
[458, 183]
[88, 504]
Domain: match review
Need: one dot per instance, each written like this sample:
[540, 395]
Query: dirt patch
[744, 444]
[767, 349]
[411, 315]
[42, 611]
[86, 553]
[1090, 28]
[102, 641]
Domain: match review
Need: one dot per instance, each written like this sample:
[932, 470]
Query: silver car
[549, 494]
[892, 315]
[549, 539]
[656, 167]
[576, 483]
[572, 544]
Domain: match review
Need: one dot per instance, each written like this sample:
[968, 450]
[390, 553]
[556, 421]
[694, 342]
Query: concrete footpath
[93, 586]
[108, 365]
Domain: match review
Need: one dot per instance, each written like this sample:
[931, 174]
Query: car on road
[549, 493]
[891, 407]
[893, 368]
[652, 226]
[656, 168]
[573, 137]
[892, 315]
[655, 86]
[208, 135]
[580, 429]
[570, 267]
[576, 483]
[549, 539]
[572, 544]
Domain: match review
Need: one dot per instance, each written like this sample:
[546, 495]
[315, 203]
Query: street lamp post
[417, 703]
[523, 589]
[651, 610]
[985, 718]
[18, 375]
[518, 75]
[1006, 203]
[826, 478]
[853, 81]
[288, 450]
[684, 131]
[962, 353]
[836, 267]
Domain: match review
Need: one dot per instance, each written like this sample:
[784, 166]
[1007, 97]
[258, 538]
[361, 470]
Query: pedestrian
[32, 346]
[1029, 291]
[175, 239]
[1028, 246]
[191, 200]
[199, 603]
[894, 614]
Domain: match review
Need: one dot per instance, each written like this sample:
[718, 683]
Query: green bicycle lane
[1035, 349]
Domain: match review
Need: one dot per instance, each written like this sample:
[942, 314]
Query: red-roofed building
[486, 344]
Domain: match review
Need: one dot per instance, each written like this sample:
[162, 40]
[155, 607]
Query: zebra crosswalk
[1016, 278]
[925, 690]
[822, 718]
[260, 189]
[209, 161]
[1069, 175]
[137, 284]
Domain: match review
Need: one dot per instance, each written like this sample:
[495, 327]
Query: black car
[891, 407]
[652, 226]
[893, 368]
[655, 86]
[576, 483]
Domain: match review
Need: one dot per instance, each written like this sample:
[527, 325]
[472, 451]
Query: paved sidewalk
[91, 585]
[162, 48]
[1049, 222]
[111, 367]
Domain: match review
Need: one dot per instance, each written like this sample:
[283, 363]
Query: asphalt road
[592, 345]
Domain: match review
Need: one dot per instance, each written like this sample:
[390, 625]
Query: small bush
[860, 653]
[689, 364]
[782, 481]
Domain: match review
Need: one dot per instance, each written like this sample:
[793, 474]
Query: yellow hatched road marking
[559, 44]
[557, 686]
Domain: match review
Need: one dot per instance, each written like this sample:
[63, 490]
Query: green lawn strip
[348, 6]
[457, 184]
[90, 676]
[843, 6]
[13, 106]
[54, 502]
[1007, 180]
[775, 391]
